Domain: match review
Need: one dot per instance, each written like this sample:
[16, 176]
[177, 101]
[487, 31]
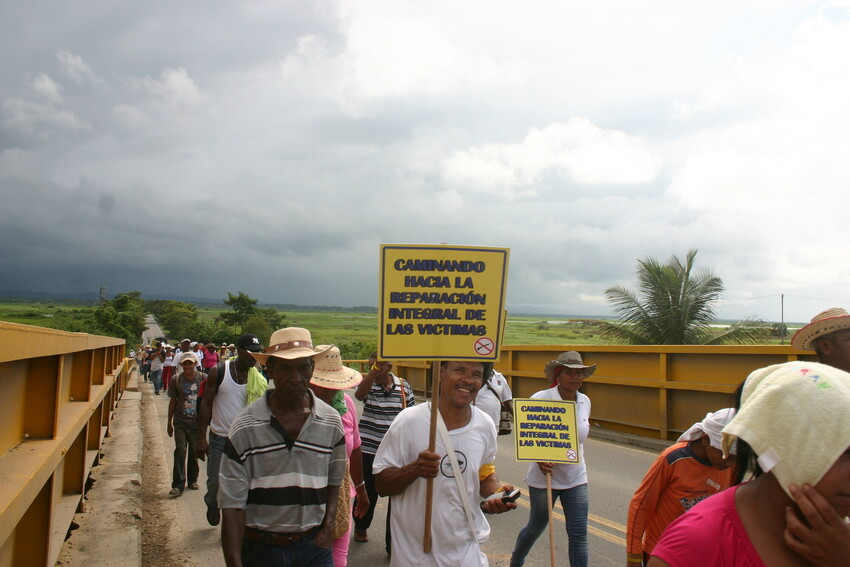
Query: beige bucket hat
[825, 322]
[331, 374]
[289, 343]
[570, 359]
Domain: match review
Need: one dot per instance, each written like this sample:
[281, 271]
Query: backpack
[202, 386]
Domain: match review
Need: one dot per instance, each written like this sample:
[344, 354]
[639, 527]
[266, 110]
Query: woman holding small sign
[569, 482]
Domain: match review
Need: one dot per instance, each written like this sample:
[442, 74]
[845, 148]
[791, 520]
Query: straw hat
[825, 322]
[570, 359]
[289, 343]
[331, 374]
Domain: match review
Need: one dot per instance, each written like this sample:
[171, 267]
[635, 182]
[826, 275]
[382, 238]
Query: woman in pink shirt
[329, 380]
[796, 418]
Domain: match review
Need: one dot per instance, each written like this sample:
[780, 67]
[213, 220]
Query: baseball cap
[250, 342]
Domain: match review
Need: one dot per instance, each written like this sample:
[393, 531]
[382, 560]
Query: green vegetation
[355, 331]
[675, 306]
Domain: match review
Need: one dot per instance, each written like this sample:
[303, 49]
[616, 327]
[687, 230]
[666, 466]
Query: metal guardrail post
[59, 391]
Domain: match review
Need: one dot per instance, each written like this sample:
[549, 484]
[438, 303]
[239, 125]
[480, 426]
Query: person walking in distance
[183, 423]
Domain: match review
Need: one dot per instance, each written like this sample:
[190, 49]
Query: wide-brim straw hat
[331, 374]
[570, 359]
[289, 343]
[825, 322]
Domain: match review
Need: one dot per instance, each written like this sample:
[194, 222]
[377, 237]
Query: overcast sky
[199, 147]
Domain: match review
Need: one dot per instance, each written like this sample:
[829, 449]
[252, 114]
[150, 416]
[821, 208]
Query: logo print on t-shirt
[446, 464]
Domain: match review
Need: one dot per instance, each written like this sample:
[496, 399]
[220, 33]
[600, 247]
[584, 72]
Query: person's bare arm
[365, 385]
[205, 413]
[232, 534]
[656, 562]
[489, 486]
[395, 480]
[172, 406]
[325, 537]
[356, 472]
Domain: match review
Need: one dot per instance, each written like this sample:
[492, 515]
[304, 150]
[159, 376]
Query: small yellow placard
[546, 431]
[441, 302]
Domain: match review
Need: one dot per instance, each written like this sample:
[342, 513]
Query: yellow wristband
[634, 560]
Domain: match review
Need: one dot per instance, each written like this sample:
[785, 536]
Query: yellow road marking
[607, 522]
[590, 528]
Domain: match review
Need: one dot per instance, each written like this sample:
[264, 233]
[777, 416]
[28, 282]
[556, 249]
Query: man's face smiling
[460, 381]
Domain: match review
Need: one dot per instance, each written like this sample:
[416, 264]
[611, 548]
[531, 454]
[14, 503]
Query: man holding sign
[568, 481]
[462, 469]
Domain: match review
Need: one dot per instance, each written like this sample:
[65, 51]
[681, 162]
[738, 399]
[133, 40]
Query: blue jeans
[156, 378]
[303, 553]
[575, 503]
[216, 449]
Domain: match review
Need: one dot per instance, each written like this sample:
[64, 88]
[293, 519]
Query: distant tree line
[124, 317]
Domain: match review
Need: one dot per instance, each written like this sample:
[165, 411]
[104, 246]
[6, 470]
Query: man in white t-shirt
[403, 463]
[491, 397]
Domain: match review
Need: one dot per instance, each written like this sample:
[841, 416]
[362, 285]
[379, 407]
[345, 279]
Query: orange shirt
[675, 483]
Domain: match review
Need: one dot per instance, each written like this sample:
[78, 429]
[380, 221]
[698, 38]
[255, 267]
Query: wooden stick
[432, 446]
[551, 518]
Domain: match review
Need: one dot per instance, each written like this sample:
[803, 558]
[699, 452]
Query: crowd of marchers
[294, 475]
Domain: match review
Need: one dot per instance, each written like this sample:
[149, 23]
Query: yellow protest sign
[546, 430]
[441, 302]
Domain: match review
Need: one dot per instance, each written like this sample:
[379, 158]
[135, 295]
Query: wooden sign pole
[551, 518]
[432, 446]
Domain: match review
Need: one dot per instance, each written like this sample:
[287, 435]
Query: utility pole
[782, 316]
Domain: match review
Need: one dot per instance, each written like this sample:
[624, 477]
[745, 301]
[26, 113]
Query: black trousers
[366, 521]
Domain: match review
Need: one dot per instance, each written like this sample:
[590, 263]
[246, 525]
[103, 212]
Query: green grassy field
[48, 313]
[335, 327]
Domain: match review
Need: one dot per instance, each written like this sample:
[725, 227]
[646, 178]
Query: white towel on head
[712, 425]
[796, 417]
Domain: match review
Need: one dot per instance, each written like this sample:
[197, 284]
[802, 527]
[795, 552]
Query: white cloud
[174, 86]
[576, 151]
[34, 119]
[47, 87]
[129, 115]
[75, 67]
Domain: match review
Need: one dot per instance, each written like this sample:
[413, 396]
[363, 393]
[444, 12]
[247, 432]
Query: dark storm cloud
[196, 148]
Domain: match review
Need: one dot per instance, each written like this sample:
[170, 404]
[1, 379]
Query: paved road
[614, 470]
[152, 332]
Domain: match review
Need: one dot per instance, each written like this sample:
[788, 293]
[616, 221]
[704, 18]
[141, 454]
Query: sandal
[360, 535]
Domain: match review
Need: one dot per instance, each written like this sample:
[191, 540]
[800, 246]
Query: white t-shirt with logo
[487, 401]
[452, 543]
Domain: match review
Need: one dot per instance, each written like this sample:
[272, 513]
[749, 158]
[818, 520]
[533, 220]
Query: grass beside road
[331, 327]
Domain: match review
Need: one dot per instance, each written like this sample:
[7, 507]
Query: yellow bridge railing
[57, 394]
[653, 391]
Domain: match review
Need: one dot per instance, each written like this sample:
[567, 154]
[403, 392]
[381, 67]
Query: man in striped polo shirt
[384, 395]
[283, 463]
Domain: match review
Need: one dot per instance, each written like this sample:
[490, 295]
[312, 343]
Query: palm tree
[674, 306]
